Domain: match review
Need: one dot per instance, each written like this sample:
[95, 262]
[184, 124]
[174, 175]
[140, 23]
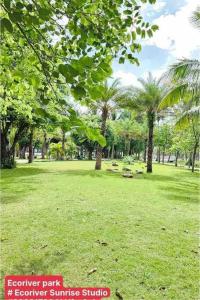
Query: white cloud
[176, 33]
[149, 9]
[126, 78]
[159, 5]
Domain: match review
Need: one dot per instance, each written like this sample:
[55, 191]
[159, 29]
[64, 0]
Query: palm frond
[185, 69]
[185, 119]
[173, 96]
[195, 19]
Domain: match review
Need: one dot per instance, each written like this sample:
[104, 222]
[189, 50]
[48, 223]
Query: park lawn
[140, 234]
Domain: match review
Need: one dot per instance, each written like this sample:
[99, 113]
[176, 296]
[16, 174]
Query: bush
[128, 159]
[56, 151]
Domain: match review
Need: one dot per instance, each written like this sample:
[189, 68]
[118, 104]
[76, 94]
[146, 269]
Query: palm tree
[195, 19]
[105, 104]
[184, 79]
[127, 128]
[184, 89]
[147, 98]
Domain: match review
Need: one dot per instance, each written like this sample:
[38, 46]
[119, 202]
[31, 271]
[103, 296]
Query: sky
[176, 38]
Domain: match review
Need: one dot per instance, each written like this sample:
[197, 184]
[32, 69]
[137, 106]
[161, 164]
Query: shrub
[128, 159]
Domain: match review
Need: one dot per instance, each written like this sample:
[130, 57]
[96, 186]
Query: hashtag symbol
[10, 292]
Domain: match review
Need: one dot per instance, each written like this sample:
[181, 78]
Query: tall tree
[183, 79]
[110, 96]
[147, 98]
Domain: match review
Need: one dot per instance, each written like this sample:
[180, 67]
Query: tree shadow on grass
[40, 264]
[180, 187]
[182, 192]
[17, 183]
[91, 173]
[12, 174]
[154, 177]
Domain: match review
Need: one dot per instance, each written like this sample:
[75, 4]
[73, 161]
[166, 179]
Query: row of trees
[56, 53]
[126, 135]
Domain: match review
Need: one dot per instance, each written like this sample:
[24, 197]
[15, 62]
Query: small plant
[128, 160]
[56, 151]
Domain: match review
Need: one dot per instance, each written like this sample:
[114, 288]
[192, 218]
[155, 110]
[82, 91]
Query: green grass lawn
[140, 234]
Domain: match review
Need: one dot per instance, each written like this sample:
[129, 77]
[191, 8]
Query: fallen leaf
[119, 296]
[102, 243]
[92, 271]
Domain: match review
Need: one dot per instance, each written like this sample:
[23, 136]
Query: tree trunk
[104, 116]
[151, 118]
[22, 153]
[90, 151]
[194, 155]
[30, 147]
[145, 151]
[112, 151]
[128, 147]
[17, 151]
[7, 151]
[63, 145]
[163, 156]
[159, 155]
[7, 155]
[169, 158]
[44, 146]
[190, 160]
[98, 158]
[176, 159]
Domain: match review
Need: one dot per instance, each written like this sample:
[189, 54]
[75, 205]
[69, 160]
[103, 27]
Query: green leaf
[44, 13]
[127, 12]
[35, 81]
[6, 24]
[130, 56]
[78, 92]
[29, 7]
[19, 5]
[137, 7]
[94, 135]
[32, 20]
[133, 34]
[68, 72]
[154, 27]
[98, 75]
[138, 30]
[41, 112]
[15, 16]
[77, 67]
[121, 60]
[143, 34]
[86, 61]
[55, 74]
[96, 92]
[7, 4]
[150, 33]
[45, 101]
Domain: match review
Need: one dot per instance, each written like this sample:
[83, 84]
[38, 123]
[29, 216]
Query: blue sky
[176, 38]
